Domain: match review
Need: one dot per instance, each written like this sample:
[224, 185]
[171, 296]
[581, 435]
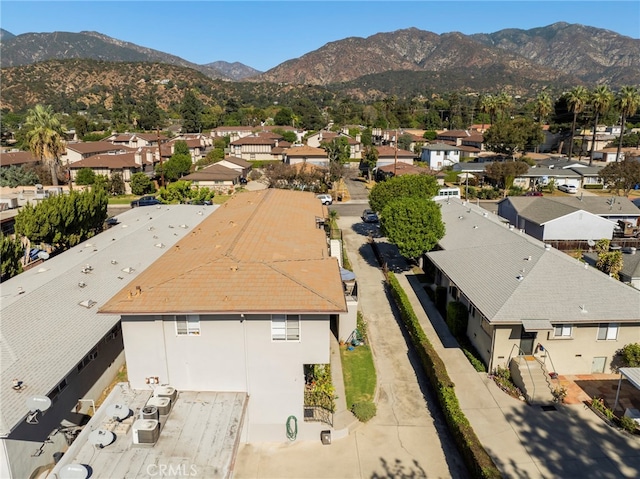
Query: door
[598, 363]
[527, 340]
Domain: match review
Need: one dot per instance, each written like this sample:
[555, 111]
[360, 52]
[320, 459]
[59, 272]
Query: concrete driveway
[408, 437]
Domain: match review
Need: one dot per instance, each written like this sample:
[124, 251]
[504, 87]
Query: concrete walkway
[406, 439]
[524, 441]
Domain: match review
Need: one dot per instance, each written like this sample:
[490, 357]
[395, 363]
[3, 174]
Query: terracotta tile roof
[17, 158]
[454, 134]
[259, 252]
[124, 160]
[96, 147]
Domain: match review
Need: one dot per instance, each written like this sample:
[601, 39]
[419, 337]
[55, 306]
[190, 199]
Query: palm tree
[576, 100]
[505, 104]
[489, 104]
[628, 102]
[600, 101]
[542, 107]
[44, 137]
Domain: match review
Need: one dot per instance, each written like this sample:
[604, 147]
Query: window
[608, 331]
[453, 291]
[187, 324]
[562, 331]
[285, 327]
[87, 359]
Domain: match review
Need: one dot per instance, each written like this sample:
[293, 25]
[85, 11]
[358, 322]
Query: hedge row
[593, 187]
[476, 458]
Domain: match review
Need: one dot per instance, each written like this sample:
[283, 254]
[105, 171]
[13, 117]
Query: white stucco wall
[231, 355]
[579, 225]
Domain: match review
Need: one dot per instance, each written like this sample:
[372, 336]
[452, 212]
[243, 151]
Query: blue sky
[263, 34]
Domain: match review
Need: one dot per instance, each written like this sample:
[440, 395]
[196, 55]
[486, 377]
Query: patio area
[584, 387]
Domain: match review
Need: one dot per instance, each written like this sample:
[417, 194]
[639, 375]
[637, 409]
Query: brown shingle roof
[123, 160]
[96, 147]
[255, 140]
[308, 151]
[17, 158]
[213, 173]
[261, 251]
[390, 152]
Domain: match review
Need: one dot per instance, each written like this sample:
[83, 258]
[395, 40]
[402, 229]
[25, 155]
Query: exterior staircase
[533, 379]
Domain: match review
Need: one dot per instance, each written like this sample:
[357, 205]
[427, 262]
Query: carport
[633, 375]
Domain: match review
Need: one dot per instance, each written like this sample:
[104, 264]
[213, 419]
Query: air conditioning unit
[146, 431]
[167, 392]
[163, 405]
[150, 412]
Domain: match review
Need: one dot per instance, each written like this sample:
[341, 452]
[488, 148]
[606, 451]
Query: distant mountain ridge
[30, 48]
[236, 70]
[590, 55]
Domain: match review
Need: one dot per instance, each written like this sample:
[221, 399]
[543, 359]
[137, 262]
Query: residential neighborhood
[424, 271]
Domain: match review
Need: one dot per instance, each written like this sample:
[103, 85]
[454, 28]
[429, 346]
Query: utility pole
[395, 160]
[160, 157]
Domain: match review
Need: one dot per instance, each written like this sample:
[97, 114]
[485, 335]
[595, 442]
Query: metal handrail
[555, 371]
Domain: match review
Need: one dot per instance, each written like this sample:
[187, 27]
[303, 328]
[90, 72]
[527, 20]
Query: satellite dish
[38, 403]
[118, 411]
[74, 471]
[101, 438]
[591, 243]
[43, 255]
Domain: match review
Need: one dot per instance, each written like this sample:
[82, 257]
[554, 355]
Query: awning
[633, 375]
[347, 275]
[537, 325]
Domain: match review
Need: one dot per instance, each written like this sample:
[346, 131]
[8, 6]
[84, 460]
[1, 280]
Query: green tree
[431, 135]
[627, 101]
[622, 175]
[610, 262]
[283, 117]
[150, 113]
[81, 125]
[512, 136]
[504, 172]
[116, 185]
[13, 176]
[369, 160]
[287, 135]
[183, 192]
[542, 107]
[11, 252]
[176, 167]
[191, 112]
[631, 355]
[366, 137]
[576, 100]
[141, 184]
[44, 137]
[85, 176]
[64, 220]
[417, 186]
[600, 101]
[338, 152]
[413, 224]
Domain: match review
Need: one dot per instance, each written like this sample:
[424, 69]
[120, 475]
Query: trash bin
[325, 437]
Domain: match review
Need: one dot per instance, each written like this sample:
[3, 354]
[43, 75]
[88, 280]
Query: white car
[568, 188]
[326, 199]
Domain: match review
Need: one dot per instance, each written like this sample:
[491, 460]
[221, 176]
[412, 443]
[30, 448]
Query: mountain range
[403, 62]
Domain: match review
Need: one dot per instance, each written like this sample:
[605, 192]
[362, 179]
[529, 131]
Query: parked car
[568, 188]
[533, 193]
[146, 201]
[369, 216]
[326, 199]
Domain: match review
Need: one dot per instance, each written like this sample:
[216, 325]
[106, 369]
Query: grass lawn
[122, 199]
[359, 374]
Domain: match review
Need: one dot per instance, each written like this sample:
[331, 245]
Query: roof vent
[74, 471]
[547, 247]
[183, 226]
[159, 245]
[82, 284]
[583, 309]
[87, 303]
[510, 227]
[113, 261]
[519, 277]
[460, 217]
[485, 214]
[128, 269]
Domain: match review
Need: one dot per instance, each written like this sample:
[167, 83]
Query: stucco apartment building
[241, 305]
[521, 294]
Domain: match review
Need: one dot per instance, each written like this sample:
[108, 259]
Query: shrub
[141, 184]
[364, 411]
[457, 318]
[85, 176]
[593, 187]
[628, 424]
[631, 355]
